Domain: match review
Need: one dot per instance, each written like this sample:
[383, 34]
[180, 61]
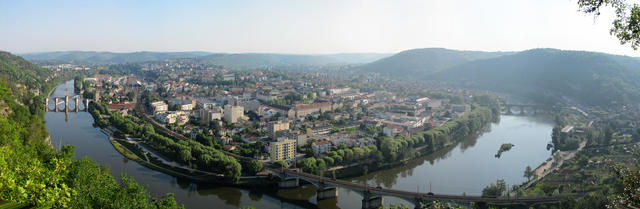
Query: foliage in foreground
[33, 173]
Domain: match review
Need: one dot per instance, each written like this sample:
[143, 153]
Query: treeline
[437, 138]
[389, 149]
[189, 152]
[343, 156]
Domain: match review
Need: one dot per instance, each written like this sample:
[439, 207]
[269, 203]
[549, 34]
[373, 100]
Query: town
[269, 115]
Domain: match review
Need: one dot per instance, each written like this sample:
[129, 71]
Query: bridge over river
[76, 101]
[526, 109]
[372, 196]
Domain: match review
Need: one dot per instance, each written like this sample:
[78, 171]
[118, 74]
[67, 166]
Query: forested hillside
[237, 61]
[35, 174]
[109, 57]
[586, 77]
[422, 62]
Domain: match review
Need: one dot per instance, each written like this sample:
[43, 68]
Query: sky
[302, 26]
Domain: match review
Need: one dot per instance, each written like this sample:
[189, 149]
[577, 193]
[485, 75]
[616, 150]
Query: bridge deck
[415, 195]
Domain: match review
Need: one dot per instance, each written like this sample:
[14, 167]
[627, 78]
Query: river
[465, 168]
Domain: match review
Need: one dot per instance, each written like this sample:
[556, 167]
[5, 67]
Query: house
[159, 107]
[208, 115]
[275, 127]
[186, 107]
[103, 77]
[391, 130]
[320, 148]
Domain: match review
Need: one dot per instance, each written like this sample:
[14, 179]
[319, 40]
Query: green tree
[281, 164]
[255, 166]
[630, 195]
[528, 173]
[626, 25]
[495, 190]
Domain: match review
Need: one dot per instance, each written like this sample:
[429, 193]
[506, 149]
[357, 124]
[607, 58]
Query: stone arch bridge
[526, 109]
[66, 100]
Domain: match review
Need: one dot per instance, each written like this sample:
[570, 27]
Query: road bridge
[372, 196]
[526, 109]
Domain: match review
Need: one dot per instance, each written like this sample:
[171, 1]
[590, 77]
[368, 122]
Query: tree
[255, 166]
[281, 164]
[626, 26]
[630, 179]
[528, 173]
[495, 190]
[608, 135]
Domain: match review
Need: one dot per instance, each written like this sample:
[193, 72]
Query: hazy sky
[301, 26]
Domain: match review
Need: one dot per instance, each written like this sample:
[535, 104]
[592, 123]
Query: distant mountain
[109, 57]
[262, 60]
[587, 77]
[240, 61]
[421, 62]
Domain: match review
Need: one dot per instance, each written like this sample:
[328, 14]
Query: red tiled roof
[315, 105]
[322, 142]
[121, 106]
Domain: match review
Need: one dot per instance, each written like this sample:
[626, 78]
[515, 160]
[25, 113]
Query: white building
[159, 107]
[233, 113]
[186, 107]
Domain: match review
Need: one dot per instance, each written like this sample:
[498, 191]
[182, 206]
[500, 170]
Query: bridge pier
[509, 110]
[77, 106]
[57, 104]
[289, 183]
[326, 192]
[66, 100]
[372, 201]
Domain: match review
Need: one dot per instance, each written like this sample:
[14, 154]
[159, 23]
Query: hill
[586, 77]
[239, 61]
[34, 175]
[424, 61]
[258, 60]
[21, 74]
[109, 57]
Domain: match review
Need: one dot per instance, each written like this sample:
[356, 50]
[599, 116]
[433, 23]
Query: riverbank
[133, 152]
